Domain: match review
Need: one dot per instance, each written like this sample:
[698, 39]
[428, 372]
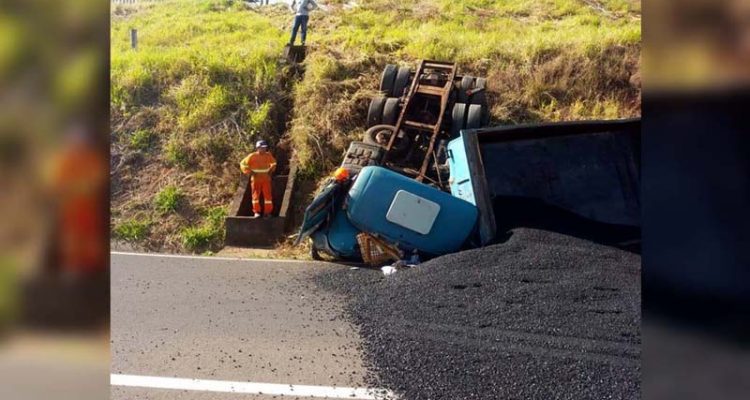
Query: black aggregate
[541, 316]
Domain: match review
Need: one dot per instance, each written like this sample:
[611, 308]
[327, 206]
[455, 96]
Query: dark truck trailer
[590, 169]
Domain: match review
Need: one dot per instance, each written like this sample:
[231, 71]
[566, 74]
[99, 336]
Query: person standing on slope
[260, 165]
[302, 9]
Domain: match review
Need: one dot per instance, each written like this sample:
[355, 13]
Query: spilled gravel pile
[540, 316]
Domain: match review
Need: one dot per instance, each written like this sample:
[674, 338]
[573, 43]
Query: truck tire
[458, 119]
[466, 83]
[480, 83]
[402, 141]
[387, 79]
[474, 116]
[375, 112]
[391, 111]
[401, 82]
[481, 99]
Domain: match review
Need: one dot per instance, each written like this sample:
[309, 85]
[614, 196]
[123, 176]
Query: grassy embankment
[546, 60]
[205, 82]
[202, 86]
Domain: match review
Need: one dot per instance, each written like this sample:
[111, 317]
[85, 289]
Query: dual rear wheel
[395, 80]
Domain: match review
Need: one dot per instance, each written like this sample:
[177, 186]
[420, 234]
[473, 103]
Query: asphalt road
[542, 315]
[35, 365]
[255, 322]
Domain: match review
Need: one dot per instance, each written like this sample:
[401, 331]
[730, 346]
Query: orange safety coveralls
[79, 179]
[260, 166]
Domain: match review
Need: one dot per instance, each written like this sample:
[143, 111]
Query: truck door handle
[450, 154]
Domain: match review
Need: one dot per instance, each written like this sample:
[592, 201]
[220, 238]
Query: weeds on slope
[202, 85]
[546, 60]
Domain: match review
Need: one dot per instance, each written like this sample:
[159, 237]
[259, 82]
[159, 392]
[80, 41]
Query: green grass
[141, 140]
[168, 199]
[203, 66]
[177, 152]
[202, 59]
[472, 30]
[131, 230]
[208, 235]
[196, 238]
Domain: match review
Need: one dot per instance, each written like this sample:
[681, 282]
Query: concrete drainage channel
[241, 229]
[245, 231]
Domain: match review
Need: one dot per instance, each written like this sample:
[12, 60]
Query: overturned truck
[429, 176]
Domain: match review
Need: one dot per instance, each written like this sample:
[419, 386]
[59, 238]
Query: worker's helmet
[261, 143]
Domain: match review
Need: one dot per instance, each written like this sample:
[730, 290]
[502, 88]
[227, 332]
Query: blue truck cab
[404, 212]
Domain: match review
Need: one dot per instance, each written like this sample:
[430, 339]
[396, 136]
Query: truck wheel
[375, 112]
[480, 83]
[387, 79]
[466, 83]
[391, 111]
[380, 134]
[474, 116]
[481, 99]
[458, 119]
[402, 81]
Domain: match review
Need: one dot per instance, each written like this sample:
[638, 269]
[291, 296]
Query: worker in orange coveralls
[71, 290]
[260, 165]
[79, 184]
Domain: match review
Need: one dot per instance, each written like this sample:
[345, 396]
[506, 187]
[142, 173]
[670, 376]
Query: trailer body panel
[589, 168]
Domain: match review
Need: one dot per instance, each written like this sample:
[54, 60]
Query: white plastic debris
[388, 270]
[396, 266]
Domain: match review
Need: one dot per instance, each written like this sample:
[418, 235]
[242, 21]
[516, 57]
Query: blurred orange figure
[78, 183]
[260, 165]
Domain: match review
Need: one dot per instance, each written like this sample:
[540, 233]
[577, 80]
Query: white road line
[123, 253]
[273, 389]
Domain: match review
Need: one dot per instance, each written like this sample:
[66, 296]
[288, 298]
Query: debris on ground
[395, 267]
[542, 315]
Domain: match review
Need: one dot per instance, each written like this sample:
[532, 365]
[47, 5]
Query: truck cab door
[318, 212]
